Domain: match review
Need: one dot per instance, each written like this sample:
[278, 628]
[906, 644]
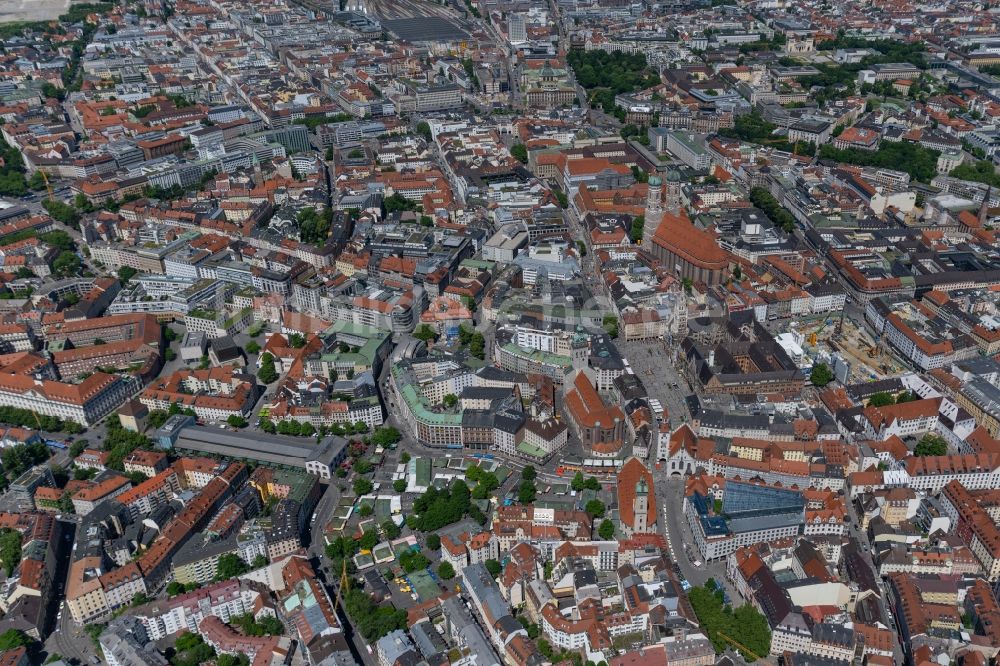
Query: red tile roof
[632, 473]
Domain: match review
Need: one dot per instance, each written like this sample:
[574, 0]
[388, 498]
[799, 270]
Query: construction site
[869, 359]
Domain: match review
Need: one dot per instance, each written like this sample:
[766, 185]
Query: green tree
[267, 373]
[191, 650]
[412, 561]
[58, 239]
[821, 375]
[526, 492]
[529, 473]
[450, 400]
[493, 567]
[10, 549]
[362, 486]
[425, 333]
[605, 75]
[12, 181]
[477, 346]
[84, 473]
[595, 508]
[607, 530]
[446, 571]
[981, 171]
[174, 588]
[931, 445]
[13, 638]
[399, 485]
[914, 159]
[520, 152]
[66, 263]
[745, 627]
[424, 130]
[236, 421]
[37, 180]
[774, 211]
[881, 399]
[126, 273]
[341, 547]
[66, 503]
[187, 640]
[368, 540]
[366, 510]
[230, 566]
[252, 347]
[433, 542]
[63, 212]
[636, 230]
[18, 459]
[610, 325]
[436, 508]
[397, 202]
[239, 659]
[390, 530]
[385, 436]
[136, 477]
[372, 621]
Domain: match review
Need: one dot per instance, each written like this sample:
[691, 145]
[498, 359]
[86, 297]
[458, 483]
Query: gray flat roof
[424, 29]
[257, 446]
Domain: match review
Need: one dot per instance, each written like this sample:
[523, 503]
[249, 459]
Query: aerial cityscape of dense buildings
[499, 333]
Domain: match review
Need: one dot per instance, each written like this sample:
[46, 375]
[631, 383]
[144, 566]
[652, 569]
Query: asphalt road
[885, 603]
[669, 496]
[67, 639]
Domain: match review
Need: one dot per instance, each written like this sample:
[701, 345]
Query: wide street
[670, 500]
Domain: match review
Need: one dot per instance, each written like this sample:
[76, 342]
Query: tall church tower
[654, 209]
[640, 507]
[674, 191]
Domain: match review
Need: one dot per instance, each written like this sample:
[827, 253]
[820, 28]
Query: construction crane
[736, 643]
[48, 187]
[345, 586]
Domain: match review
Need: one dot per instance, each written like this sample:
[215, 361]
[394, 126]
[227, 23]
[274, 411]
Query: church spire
[654, 209]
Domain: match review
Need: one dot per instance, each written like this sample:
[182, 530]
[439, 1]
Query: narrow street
[68, 639]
